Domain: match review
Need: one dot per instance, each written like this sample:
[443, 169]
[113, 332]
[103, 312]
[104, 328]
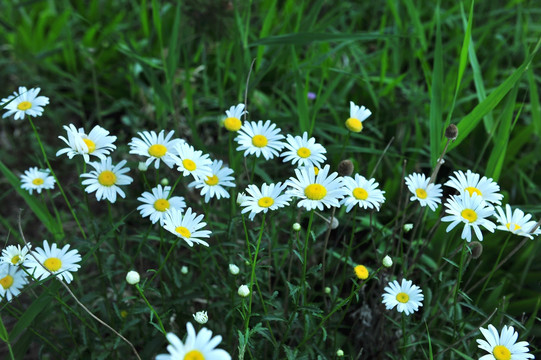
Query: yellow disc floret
[107, 178]
[513, 227]
[315, 191]
[265, 202]
[15, 260]
[354, 125]
[157, 150]
[212, 180]
[303, 152]
[260, 141]
[6, 281]
[361, 271]
[38, 181]
[402, 297]
[24, 105]
[360, 194]
[469, 215]
[53, 264]
[421, 193]
[232, 124]
[183, 231]
[473, 190]
[91, 145]
[189, 164]
[161, 205]
[500, 352]
[194, 355]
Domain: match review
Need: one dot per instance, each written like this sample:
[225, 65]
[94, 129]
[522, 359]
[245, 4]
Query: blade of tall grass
[308, 37]
[435, 124]
[534, 103]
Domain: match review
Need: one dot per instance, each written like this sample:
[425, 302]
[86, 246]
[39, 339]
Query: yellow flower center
[469, 215]
[360, 194]
[123, 313]
[473, 190]
[6, 281]
[354, 125]
[37, 181]
[91, 145]
[24, 105]
[361, 272]
[183, 232]
[315, 191]
[500, 352]
[232, 124]
[265, 202]
[303, 152]
[189, 164]
[15, 259]
[259, 141]
[513, 227]
[212, 180]
[107, 178]
[421, 193]
[157, 150]
[194, 355]
[316, 170]
[53, 264]
[402, 297]
[161, 205]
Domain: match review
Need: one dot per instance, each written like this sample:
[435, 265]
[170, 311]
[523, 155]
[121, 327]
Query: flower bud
[327, 290]
[201, 317]
[241, 197]
[142, 166]
[334, 223]
[243, 291]
[408, 227]
[132, 277]
[387, 261]
[234, 269]
[476, 249]
[184, 269]
[296, 227]
[345, 168]
[451, 132]
[361, 271]
[339, 353]
[164, 182]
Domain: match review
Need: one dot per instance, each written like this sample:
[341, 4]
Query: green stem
[457, 286]
[151, 308]
[305, 257]
[164, 260]
[494, 269]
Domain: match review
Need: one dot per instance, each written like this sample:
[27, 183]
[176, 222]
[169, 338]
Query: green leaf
[305, 38]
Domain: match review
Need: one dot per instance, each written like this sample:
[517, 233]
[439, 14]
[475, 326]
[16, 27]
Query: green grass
[132, 65]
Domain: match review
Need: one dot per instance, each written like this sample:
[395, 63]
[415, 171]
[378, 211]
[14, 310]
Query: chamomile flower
[25, 102]
[12, 279]
[233, 121]
[356, 117]
[97, 143]
[15, 255]
[316, 191]
[425, 193]
[270, 197]
[106, 178]
[362, 192]
[215, 184]
[260, 139]
[303, 151]
[515, 222]
[155, 147]
[472, 211]
[191, 162]
[503, 346]
[405, 296]
[473, 183]
[157, 202]
[51, 259]
[200, 346]
[186, 226]
[35, 179]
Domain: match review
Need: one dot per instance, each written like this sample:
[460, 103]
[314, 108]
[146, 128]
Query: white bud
[334, 223]
[339, 353]
[387, 261]
[132, 277]
[234, 269]
[408, 227]
[164, 182]
[296, 227]
[142, 166]
[201, 317]
[184, 269]
[241, 197]
[244, 291]
[327, 290]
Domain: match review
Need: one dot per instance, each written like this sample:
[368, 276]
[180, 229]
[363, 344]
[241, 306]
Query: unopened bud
[339, 353]
[296, 227]
[345, 168]
[132, 277]
[243, 291]
[476, 249]
[201, 317]
[241, 197]
[142, 166]
[387, 261]
[164, 182]
[234, 269]
[334, 223]
[327, 290]
[184, 269]
[408, 227]
[451, 132]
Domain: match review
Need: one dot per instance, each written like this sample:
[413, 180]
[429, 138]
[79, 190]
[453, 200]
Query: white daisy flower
[316, 191]
[98, 142]
[503, 346]
[155, 147]
[15, 255]
[356, 117]
[425, 193]
[35, 179]
[214, 185]
[50, 259]
[362, 192]
[12, 279]
[201, 346]
[472, 183]
[304, 151]
[472, 211]
[157, 202]
[405, 296]
[233, 121]
[192, 162]
[186, 226]
[106, 178]
[260, 139]
[516, 222]
[26, 102]
[270, 197]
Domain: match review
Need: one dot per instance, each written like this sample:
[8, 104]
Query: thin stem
[151, 308]
[457, 286]
[305, 257]
[438, 165]
[164, 260]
